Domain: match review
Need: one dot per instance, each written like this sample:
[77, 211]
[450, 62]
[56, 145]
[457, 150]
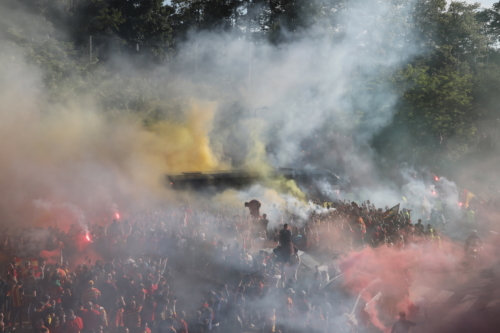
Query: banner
[21, 262]
[51, 257]
[391, 212]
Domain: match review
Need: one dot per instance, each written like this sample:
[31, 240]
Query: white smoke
[74, 213]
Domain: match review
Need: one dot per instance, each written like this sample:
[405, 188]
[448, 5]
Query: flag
[34, 264]
[21, 262]
[391, 212]
[467, 197]
[51, 257]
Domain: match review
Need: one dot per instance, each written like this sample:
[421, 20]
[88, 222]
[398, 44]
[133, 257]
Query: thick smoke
[72, 150]
[231, 103]
[287, 94]
[72, 153]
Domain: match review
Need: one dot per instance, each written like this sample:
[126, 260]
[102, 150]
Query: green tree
[434, 115]
[449, 35]
[490, 20]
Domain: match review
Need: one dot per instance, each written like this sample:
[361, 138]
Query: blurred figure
[402, 325]
[254, 207]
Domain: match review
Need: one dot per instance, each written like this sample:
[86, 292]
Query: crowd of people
[186, 270]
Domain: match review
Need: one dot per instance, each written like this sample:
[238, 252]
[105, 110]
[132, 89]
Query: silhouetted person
[286, 249]
[253, 206]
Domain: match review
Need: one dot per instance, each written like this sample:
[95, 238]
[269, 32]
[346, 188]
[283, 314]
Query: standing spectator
[17, 295]
[91, 318]
[132, 317]
[72, 324]
[91, 294]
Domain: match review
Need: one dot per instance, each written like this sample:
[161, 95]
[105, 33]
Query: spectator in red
[73, 324]
[17, 294]
[132, 317]
[181, 325]
[116, 317]
[146, 329]
[91, 318]
[91, 294]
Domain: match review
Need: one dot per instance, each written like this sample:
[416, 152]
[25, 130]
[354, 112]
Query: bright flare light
[117, 215]
[436, 178]
[88, 237]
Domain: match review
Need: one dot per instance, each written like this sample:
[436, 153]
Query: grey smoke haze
[318, 79]
[74, 153]
[328, 81]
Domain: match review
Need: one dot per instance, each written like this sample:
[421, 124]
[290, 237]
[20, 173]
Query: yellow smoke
[257, 161]
[256, 158]
[288, 186]
[186, 146]
[72, 152]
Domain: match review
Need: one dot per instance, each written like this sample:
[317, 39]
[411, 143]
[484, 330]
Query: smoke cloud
[101, 144]
[222, 102]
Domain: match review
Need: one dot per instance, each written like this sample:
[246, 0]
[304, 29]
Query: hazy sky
[485, 3]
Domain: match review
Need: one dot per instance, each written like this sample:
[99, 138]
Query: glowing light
[433, 192]
[436, 178]
[88, 237]
[117, 215]
[460, 204]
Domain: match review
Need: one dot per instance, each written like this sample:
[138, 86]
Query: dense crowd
[186, 270]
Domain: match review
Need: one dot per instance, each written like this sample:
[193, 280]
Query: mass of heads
[344, 266]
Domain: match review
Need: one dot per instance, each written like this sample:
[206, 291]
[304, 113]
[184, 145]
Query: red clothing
[62, 273]
[181, 326]
[17, 299]
[56, 329]
[74, 325]
[118, 321]
[132, 317]
[12, 272]
[90, 294]
[91, 319]
[151, 289]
